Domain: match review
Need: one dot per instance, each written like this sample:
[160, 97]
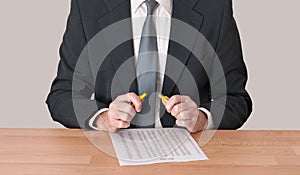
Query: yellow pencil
[164, 99]
[144, 95]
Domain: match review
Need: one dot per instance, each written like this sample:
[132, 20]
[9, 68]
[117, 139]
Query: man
[212, 18]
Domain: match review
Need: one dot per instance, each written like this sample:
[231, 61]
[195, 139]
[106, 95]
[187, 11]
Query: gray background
[32, 30]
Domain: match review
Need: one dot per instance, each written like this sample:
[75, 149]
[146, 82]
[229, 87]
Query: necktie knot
[151, 5]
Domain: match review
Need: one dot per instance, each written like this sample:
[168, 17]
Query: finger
[126, 97]
[172, 102]
[124, 116]
[108, 122]
[189, 124]
[120, 124]
[179, 108]
[136, 101]
[180, 123]
[113, 129]
[188, 114]
[129, 98]
[122, 98]
[190, 102]
[126, 108]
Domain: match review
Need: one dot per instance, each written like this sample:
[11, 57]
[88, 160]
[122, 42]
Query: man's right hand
[121, 111]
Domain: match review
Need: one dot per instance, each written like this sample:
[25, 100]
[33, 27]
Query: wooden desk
[62, 151]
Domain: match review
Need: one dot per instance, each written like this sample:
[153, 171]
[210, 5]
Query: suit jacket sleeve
[238, 104]
[60, 101]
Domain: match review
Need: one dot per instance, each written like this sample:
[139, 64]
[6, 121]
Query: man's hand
[185, 110]
[120, 113]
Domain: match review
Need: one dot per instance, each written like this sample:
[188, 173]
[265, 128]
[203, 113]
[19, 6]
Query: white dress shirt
[162, 19]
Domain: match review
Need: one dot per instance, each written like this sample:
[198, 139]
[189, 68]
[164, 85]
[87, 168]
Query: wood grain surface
[63, 151]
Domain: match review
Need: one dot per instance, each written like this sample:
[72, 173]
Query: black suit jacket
[213, 18]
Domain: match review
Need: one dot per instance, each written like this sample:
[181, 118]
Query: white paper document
[148, 146]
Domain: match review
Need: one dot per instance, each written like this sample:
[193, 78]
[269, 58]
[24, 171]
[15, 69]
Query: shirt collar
[166, 4]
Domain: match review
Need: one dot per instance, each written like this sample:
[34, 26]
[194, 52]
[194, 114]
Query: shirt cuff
[210, 122]
[94, 118]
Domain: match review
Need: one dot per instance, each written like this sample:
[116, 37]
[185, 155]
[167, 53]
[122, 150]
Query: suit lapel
[117, 10]
[120, 10]
[185, 11]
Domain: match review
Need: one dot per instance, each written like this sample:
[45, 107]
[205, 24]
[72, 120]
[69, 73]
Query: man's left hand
[186, 111]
